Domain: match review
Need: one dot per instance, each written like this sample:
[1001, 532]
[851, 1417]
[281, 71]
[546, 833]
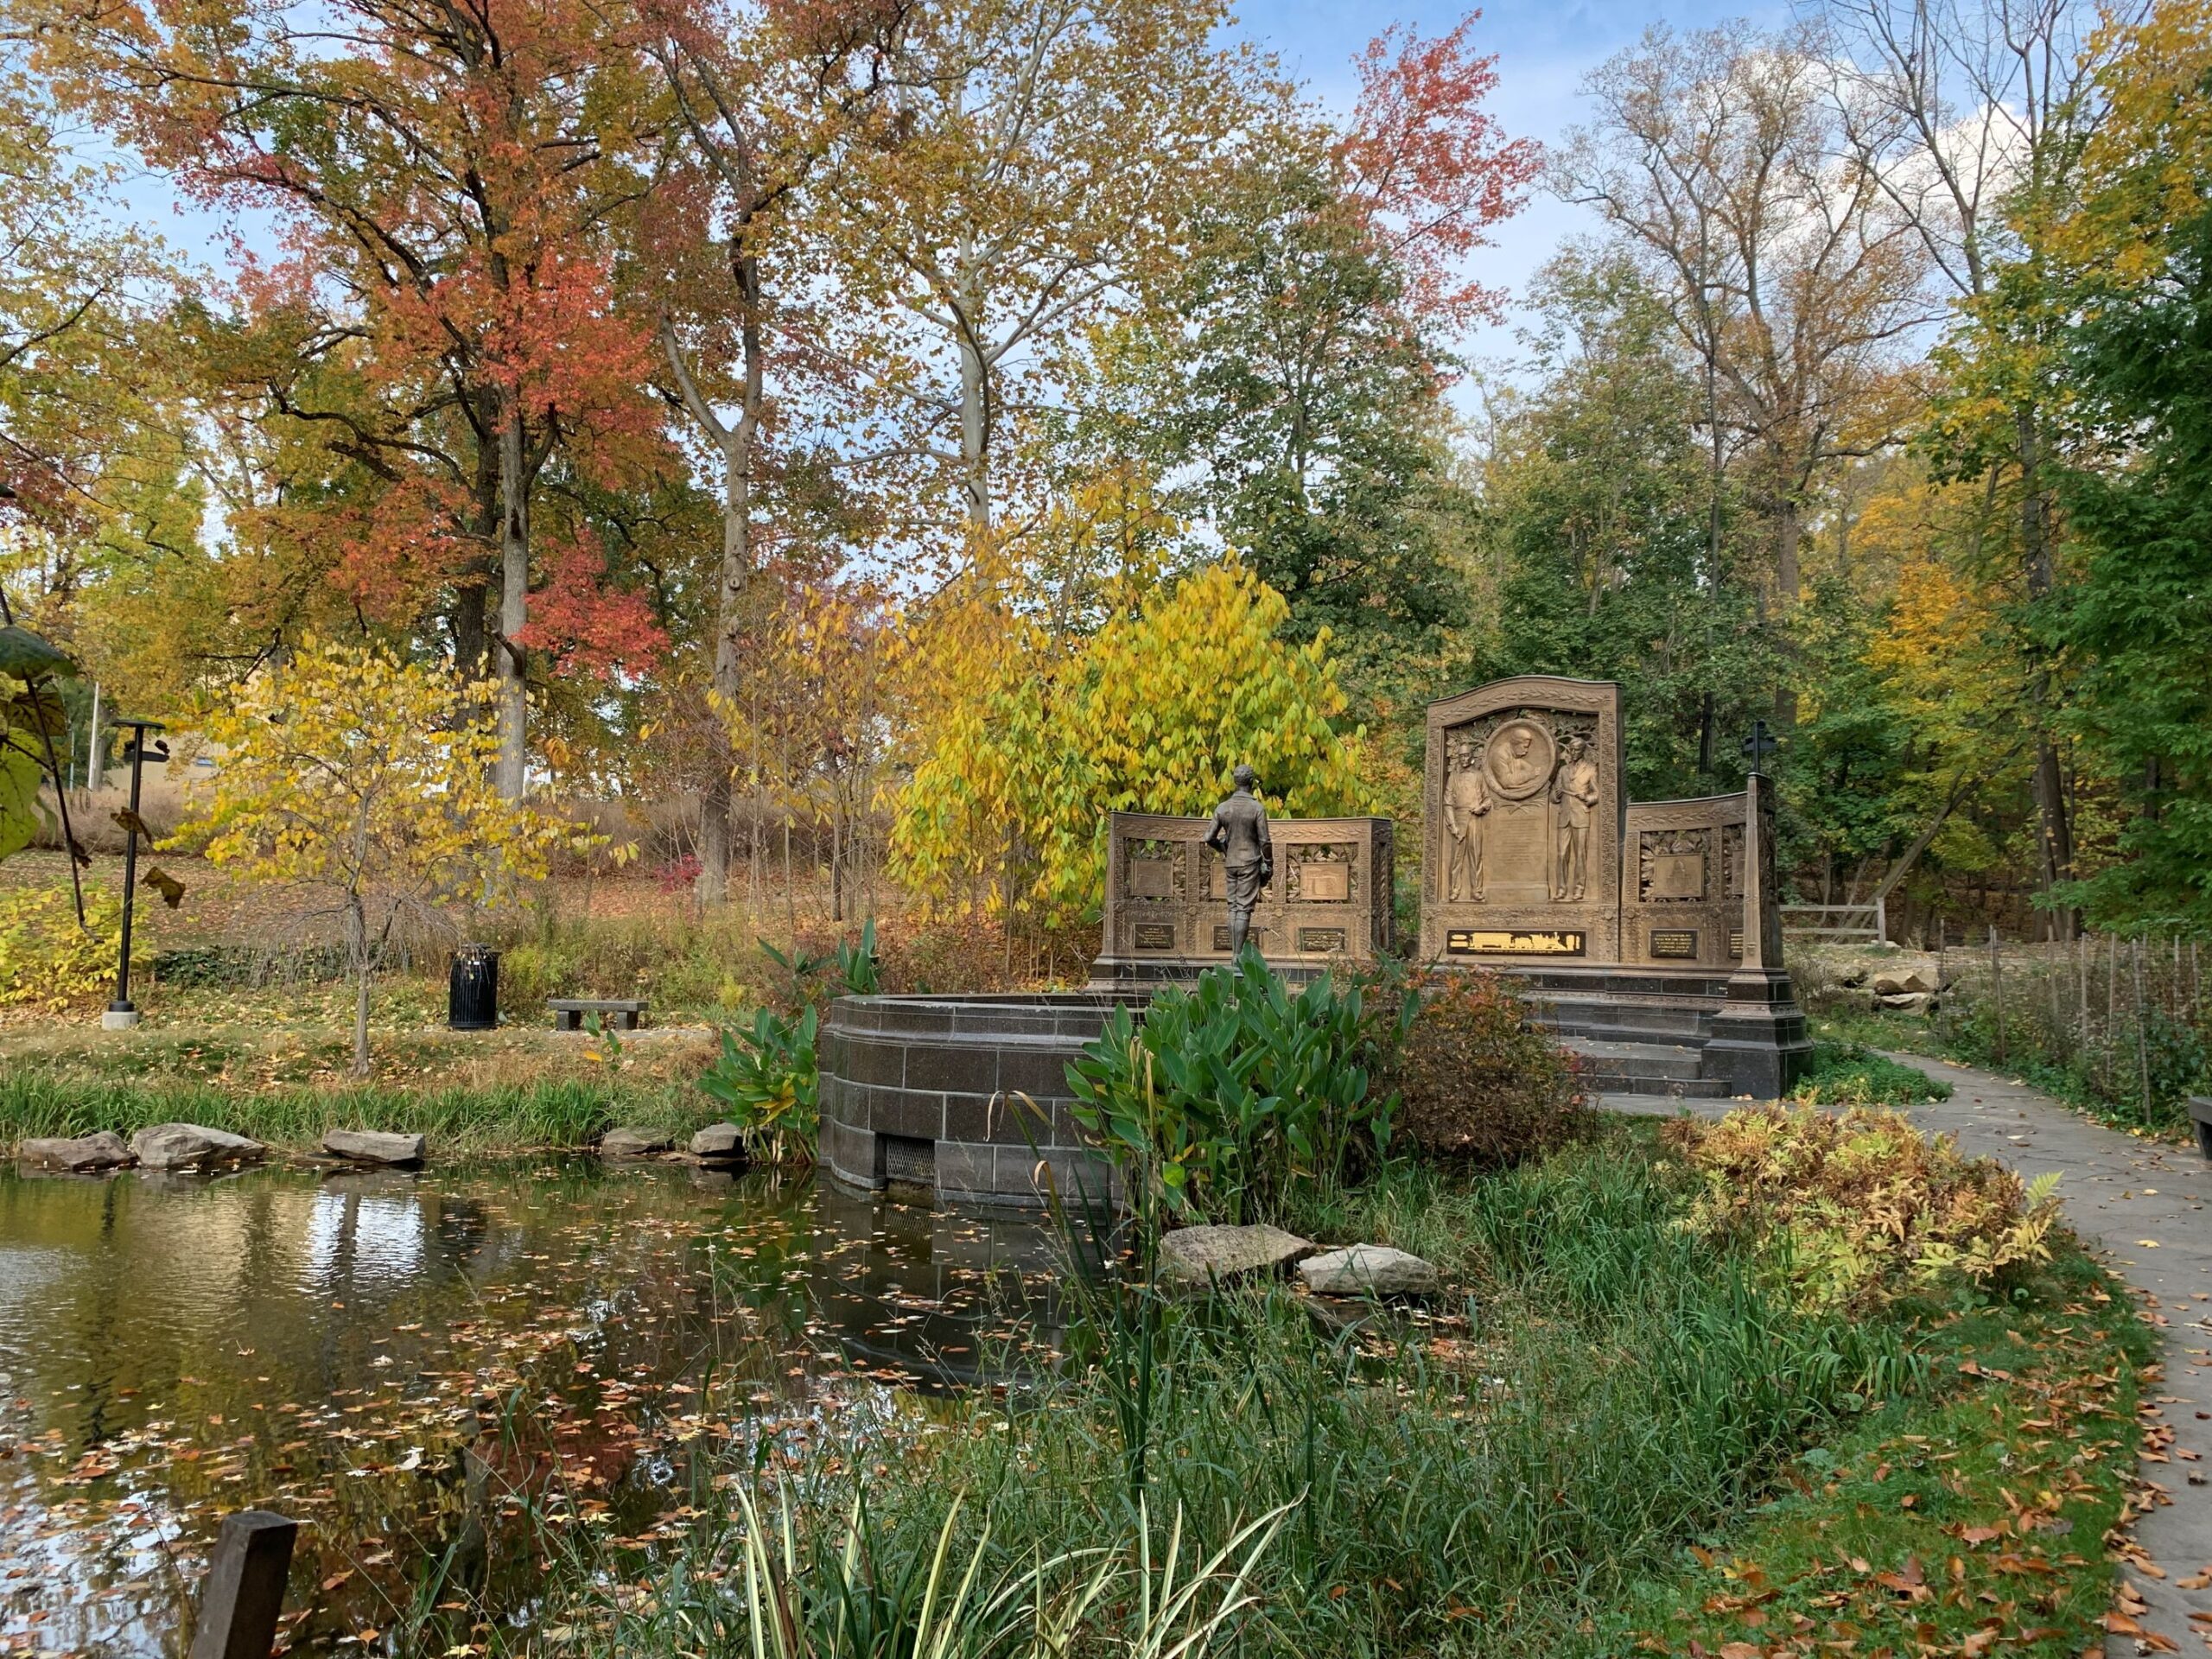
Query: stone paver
[2143, 1205]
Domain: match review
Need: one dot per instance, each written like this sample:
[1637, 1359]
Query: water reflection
[400, 1358]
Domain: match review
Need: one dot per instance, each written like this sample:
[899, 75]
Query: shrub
[1235, 1089]
[1856, 1209]
[46, 960]
[1846, 1074]
[1481, 1085]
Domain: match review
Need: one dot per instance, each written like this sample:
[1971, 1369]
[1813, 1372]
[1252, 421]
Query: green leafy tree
[1031, 748]
[2139, 252]
[348, 771]
[1618, 549]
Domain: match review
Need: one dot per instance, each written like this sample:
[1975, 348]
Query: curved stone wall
[964, 1094]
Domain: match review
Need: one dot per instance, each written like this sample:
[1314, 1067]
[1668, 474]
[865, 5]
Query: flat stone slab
[102, 1149]
[192, 1145]
[374, 1147]
[722, 1143]
[1199, 1256]
[634, 1143]
[1369, 1270]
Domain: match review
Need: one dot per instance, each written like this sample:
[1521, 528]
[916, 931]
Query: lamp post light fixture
[121, 1014]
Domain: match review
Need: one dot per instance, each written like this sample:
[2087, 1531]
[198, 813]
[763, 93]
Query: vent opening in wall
[908, 1161]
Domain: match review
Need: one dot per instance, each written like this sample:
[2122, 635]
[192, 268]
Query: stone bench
[2200, 1115]
[569, 1011]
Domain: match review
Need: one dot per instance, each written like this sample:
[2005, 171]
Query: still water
[403, 1362]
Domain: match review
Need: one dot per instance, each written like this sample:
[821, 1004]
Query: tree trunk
[356, 946]
[975, 397]
[734, 583]
[514, 607]
[2055, 834]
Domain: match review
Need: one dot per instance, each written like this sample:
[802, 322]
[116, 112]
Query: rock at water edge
[192, 1145]
[632, 1143]
[374, 1147]
[719, 1142]
[1369, 1270]
[1197, 1256]
[102, 1149]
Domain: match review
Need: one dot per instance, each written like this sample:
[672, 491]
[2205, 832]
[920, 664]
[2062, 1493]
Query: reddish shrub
[1483, 1084]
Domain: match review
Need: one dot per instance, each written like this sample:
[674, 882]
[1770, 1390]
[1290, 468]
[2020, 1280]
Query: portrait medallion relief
[1519, 758]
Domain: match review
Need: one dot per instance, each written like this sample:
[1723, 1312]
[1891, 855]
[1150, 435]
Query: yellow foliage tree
[1037, 737]
[349, 771]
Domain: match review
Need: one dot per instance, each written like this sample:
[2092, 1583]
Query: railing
[1839, 924]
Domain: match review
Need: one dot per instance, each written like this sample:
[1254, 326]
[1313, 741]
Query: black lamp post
[121, 1015]
[1759, 745]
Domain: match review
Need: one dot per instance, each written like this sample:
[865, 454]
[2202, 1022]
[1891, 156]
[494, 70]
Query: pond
[400, 1361]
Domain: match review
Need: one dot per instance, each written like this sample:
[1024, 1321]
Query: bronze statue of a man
[1240, 836]
[1575, 795]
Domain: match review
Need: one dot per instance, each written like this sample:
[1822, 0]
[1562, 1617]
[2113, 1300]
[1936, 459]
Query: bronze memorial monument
[1647, 932]
[1182, 895]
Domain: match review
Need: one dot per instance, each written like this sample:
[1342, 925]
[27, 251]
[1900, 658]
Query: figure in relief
[1466, 803]
[1248, 852]
[1520, 758]
[1575, 795]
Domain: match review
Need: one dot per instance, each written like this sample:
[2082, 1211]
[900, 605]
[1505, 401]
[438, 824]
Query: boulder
[632, 1143]
[1199, 1256]
[103, 1149]
[1906, 1001]
[720, 1143]
[192, 1145]
[1905, 984]
[1369, 1270]
[374, 1147]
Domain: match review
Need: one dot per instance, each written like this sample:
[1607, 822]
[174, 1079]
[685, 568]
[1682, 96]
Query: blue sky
[1543, 51]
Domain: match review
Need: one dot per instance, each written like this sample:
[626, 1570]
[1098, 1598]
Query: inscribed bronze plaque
[1485, 942]
[1152, 877]
[1258, 936]
[1320, 938]
[1155, 936]
[1324, 883]
[1675, 875]
[1674, 943]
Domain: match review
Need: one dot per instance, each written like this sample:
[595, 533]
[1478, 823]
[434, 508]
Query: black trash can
[473, 997]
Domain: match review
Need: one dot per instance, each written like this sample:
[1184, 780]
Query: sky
[1544, 49]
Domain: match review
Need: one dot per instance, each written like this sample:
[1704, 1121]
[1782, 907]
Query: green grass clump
[1608, 1437]
[1490, 1477]
[1967, 1518]
[540, 1114]
[1850, 1074]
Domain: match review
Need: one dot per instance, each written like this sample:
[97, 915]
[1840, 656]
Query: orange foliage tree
[443, 322]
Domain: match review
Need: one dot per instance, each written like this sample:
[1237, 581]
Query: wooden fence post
[2142, 1037]
[245, 1589]
[1997, 990]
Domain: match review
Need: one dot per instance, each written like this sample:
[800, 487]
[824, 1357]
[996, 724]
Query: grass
[285, 1083]
[510, 1117]
[1850, 1074]
[1608, 1437]
[1969, 1518]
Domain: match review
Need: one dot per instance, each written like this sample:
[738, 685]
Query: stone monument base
[964, 1095]
[1681, 1033]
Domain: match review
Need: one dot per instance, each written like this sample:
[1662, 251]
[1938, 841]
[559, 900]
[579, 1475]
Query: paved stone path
[2143, 1206]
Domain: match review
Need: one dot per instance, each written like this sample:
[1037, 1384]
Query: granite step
[1609, 1060]
[1665, 1069]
